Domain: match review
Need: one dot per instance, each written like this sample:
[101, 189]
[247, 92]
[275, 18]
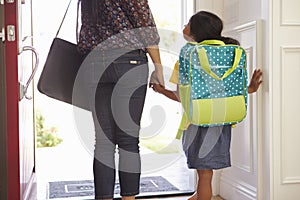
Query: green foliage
[46, 137]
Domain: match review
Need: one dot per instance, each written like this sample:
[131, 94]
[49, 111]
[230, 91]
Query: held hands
[157, 88]
[255, 82]
[173, 95]
[157, 78]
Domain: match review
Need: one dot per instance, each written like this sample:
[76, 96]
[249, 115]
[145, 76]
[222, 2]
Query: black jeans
[119, 102]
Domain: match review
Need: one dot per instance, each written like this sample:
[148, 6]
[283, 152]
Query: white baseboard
[236, 190]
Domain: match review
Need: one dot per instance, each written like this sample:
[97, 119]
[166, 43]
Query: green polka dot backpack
[213, 83]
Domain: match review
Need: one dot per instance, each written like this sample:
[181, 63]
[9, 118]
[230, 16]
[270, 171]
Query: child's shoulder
[188, 47]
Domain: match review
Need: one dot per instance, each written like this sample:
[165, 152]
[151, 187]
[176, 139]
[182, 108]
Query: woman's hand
[157, 78]
[255, 82]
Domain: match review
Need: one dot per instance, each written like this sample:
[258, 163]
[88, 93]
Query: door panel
[285, 94]
[239, 182]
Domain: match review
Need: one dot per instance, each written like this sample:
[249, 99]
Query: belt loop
[142, 52]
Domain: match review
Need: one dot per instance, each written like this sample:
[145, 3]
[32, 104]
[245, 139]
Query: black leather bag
[60, 69]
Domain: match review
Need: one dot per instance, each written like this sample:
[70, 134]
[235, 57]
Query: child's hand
[158, 88]
[255, 81]
[168, 93]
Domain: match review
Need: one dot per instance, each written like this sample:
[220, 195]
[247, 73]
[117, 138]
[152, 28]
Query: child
[200, 155]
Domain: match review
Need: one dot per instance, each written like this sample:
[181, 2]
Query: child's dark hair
[208, 26]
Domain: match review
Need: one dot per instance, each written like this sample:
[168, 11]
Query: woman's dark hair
[208, 26]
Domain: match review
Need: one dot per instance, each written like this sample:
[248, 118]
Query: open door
[17, 111]
[240, 182]
[3, 156]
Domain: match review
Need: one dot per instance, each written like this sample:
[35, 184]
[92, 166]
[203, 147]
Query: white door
[240, 182]
[285, 94]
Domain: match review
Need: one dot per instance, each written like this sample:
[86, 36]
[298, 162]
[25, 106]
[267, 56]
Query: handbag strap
[64, 17]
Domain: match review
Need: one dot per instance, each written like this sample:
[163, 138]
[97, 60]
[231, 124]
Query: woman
[117, 35]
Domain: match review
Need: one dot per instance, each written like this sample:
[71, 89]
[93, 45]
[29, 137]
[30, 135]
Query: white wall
[237, 12]
[233, 12]
[215, 6]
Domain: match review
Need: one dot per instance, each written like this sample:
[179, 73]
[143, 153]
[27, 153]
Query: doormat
[65, 189]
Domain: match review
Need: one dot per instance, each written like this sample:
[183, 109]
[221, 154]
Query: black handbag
[60, 69]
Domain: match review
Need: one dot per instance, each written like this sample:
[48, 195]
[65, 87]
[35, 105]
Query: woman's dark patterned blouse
[125, 24]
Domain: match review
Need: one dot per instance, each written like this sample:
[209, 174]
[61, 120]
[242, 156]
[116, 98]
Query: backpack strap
[184, 124]
[212, 42]
[209, 42]
[206, 67]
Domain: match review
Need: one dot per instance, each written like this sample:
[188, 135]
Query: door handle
[23, 88]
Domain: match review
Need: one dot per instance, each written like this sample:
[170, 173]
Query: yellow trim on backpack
[209, 42]
[206, 67]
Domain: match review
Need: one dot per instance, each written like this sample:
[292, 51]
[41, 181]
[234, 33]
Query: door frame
[3, 155]
[9, 103]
